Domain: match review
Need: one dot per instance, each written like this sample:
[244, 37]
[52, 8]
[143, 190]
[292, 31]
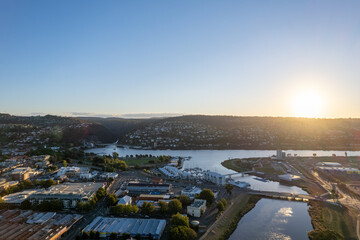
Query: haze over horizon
[176, 58]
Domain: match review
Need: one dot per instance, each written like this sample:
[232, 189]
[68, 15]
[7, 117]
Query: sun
[308, 104]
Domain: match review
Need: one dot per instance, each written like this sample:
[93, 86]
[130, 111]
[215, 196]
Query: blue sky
[178, 57]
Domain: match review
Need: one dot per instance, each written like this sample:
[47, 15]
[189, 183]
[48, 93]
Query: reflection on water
[274, 219]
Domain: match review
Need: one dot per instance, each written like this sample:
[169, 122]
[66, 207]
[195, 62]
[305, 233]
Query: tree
[207, 195]
[179, 220]
[174, 206]
[147, 208]
[185, 200]
[100, 193]
[220, 206]
[26, 205]
[182, 233]
[47, 183]
[115, 155]
[64, 163]
[163, 207]
[111, 199]
[229, 188]
[224, 202]
[113, 235]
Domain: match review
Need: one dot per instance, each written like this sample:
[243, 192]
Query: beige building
[197, 208]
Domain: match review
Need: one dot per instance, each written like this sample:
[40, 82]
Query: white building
[280, 155]
[197, 208]
[107, 175]
[214, 177]
[329, 164]
[190, 191]
[126, 200]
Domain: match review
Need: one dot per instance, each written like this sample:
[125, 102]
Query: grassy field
[237, 165]
[243, 203]
[331, 222]
[140, 161]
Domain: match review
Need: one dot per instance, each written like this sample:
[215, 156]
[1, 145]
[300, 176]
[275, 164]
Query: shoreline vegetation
[331, 222]
[242, 203]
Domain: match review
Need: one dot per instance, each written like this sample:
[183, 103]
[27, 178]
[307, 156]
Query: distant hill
[55, 128]
[205, 132]
[228, 132]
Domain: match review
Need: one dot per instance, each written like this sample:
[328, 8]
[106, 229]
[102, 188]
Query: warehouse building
[133, 226]
[69, 193]
[138, 188]
[17, 224]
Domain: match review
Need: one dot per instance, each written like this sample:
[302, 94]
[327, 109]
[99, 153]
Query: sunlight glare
[308, 104]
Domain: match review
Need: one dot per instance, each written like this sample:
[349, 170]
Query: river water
[276, 220]
[270, 219]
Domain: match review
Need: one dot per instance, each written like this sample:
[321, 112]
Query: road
[87, 219]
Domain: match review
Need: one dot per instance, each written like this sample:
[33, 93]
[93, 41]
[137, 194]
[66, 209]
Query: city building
[17, 224]
[5, 185]
[280, 155]
[154, 197]
[329, 164]
[126, 200]
[21, 173]
[68, 171]
[107, 175]
[191, 191]
[133, 226]
[197, 208]
[69, 193]
[214, 177]
[139, 188]
[17, 198]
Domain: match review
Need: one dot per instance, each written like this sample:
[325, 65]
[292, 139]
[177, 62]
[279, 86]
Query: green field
[140, 161]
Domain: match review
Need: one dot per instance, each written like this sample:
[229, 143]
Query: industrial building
[197, 208]
[214, 177]
[68, 193]
[17, 198]
[126, 200]
[133, 226]
[17, 224]
[139, 188]
[190, 191]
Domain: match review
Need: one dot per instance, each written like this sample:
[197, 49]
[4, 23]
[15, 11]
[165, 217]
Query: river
[270, 219]
[276, 220]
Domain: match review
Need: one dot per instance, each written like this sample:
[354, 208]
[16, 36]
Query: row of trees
[44, 206]
[122, 209]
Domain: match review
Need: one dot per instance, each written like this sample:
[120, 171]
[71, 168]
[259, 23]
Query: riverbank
[225, 225]
[331, 222]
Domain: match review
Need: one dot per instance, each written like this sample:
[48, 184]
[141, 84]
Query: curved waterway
[275, 220]
[211, 159]
[270, 218]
